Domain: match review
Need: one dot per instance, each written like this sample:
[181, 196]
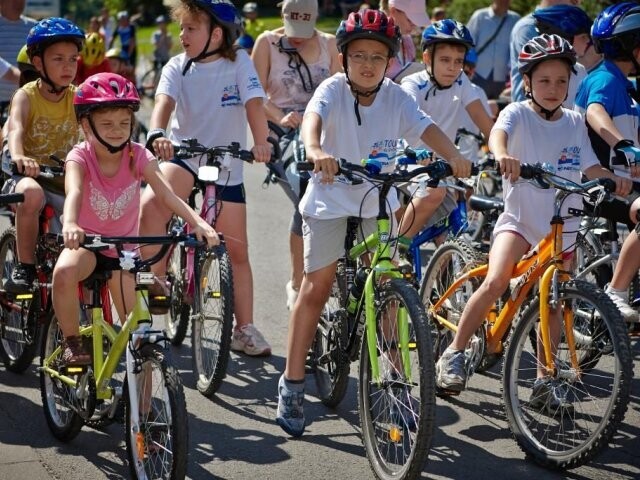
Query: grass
[145, 49]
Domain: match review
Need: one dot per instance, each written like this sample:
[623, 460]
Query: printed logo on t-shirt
[230, 96]
[104, 209]
[569, 159]
[254, 83]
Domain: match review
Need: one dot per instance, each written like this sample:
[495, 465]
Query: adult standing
[291, 62]
[106, 25]
[523, 31]
[126, 31]
[408, 15]
[14, 28]
[491, 28]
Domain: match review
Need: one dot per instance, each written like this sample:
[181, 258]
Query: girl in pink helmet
[102, 185]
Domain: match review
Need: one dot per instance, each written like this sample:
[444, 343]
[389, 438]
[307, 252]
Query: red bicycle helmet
[105, 90]
[545, 47]
[368, 24]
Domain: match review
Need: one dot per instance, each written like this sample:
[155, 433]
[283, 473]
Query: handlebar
[190, 148]
[9, 198]
[46, 171]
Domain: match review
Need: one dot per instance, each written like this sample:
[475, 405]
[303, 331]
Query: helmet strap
[432, 72]
[204, 53]
[109, 147]
[45, 78]
[548, 114]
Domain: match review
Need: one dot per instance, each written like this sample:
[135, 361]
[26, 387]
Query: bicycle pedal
[445, 392]
[72, 370]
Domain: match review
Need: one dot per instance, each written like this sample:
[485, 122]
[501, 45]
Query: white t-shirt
[210, 103]
[564, 144]
[469, 146]
[446, 107]
[574, 82]
[393, 116]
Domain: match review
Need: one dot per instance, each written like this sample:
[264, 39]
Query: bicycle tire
[330, 361]
[18, 326]
[477, 221]
[447, 263]
[212, 320]
[59, 401]
[177, 319]
[600, 398]
[159, 448]
[149, 83]
[398, 415]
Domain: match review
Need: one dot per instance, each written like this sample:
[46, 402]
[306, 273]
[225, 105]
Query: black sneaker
[21, 280]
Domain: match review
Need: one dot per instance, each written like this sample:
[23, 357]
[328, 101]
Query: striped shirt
[13, 35]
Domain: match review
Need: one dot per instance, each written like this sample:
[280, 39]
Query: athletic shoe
[451, 371]
[290, 414]
[249, 340]
[549, 395]
[629, 314]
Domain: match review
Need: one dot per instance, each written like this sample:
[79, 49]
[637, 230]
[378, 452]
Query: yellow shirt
[51, 129]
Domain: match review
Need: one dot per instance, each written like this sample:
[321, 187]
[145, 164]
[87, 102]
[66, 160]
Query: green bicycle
[150, 397]
[375, 314]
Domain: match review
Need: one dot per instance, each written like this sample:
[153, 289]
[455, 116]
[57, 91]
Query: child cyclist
[102, 183]
[445, 93]
[92, 58]
[545, 63]
[212, 89]
[373, 112]
[41, 123]
[609, 102]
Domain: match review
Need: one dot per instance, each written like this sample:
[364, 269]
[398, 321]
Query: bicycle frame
[543, 265]
[104, 367]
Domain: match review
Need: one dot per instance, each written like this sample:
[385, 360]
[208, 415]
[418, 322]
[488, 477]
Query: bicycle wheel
[477, 221]
[397, 414]
[447, 263]
[18, 317]
[330, 361]
[588, 250]
[177, 319]
[60, 401]
[212, 319]
[595, 400]
[149, 83]
[158, 448]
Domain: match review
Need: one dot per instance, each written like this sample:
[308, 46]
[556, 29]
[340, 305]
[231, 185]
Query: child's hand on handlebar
[163, 148]
[73, 235]
[461, 166]
[624, 186]
[261, 152]
[206, 233]
[323, 162]
[26, 166]
[509, 166]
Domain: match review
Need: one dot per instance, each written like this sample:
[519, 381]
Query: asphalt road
[234, 436]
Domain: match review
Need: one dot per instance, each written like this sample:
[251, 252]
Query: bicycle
[150, 79]
[374, 315]
[22, 315]
[554, 439]
[213, 295]
[152, 395]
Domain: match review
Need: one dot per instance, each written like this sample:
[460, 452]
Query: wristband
[153, 135]
[623, 143]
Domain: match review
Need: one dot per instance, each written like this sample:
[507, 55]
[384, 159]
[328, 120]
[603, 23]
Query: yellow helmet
[93, 50]
[22, 56]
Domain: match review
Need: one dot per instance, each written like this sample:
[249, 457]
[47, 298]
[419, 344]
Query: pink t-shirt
[110, 205]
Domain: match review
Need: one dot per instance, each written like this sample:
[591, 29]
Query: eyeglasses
[362, 58]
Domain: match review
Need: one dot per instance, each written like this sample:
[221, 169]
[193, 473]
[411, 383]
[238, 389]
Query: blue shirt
[495, 57]
[523, 31]
[609, 87]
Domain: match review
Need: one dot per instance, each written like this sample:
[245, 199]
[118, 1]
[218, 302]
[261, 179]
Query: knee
[493, 287]
[33, 199]
[65, 277]
[433, 196]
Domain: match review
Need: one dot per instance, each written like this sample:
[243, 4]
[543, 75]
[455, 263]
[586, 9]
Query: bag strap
[493, 37]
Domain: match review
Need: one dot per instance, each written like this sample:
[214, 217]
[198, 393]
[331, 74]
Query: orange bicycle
[590, 364]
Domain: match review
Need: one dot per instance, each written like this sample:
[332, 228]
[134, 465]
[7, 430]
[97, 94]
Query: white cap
[415, 10]
[300, 17]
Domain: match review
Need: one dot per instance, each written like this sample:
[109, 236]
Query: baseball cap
[250, 7]
[415, 10]
[299, 17]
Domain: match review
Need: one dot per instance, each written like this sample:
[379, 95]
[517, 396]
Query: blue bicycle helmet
[616, 30]
[224, 13]
[471, 57]
[447, 31]
[564, 20]
[52, 30]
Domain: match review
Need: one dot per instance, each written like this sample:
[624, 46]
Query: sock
[295, 385]
[620, 293]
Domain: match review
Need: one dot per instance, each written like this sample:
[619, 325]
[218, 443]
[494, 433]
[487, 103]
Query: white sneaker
[249, 340]
[292, 295]
[628, 313]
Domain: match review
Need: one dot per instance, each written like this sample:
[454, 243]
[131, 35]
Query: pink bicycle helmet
[105, 90]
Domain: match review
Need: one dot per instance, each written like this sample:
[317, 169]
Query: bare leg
[506, 251]
[72, 267]
[296, 248]
[27, 217]
[420, 210]
[303, 322]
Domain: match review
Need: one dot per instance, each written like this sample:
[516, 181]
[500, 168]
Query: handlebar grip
[277, 153]
[8, 198]
[528, 172]
[608, 184]
[305, 166]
